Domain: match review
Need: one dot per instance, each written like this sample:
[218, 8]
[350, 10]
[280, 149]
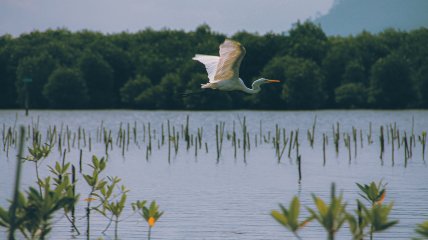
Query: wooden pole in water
[423, 139]
[406, 146]
[63, 158]
[354, 138]
[169, 142]
[291, 143]
[217, 142]
[80, 160]
[299, 160]
[90, 142]
[73, 182]
[234, 140]
[382, 142]
[392, 144]
[323, 147]
[244, 139]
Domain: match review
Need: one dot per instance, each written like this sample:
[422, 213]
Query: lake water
[231, 198]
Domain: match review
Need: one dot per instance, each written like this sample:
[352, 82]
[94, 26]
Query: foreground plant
[34, 211]
[150, 214]
[96, 182]
[110, 208]
[331, 216]
[376, 218]
[62, 176]
[289, 218]
[37, 153]
[422, 229]
[373, 193]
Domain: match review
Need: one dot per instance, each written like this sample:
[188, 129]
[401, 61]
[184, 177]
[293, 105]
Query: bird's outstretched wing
[231, 55]
[210, 63]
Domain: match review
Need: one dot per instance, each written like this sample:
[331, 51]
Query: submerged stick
[16, 188]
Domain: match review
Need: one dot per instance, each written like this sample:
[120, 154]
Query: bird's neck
[251, 90]
[255, 87]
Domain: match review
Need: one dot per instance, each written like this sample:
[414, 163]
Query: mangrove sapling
[331, 216]
[61, 176]
[34, 211]
[377, 218]
[95, 183]
[108, 207]
[377, 215]
[357, 223]
[37, 153]
[422, 230]
[289, 218]
[373, 193]
[150, 214]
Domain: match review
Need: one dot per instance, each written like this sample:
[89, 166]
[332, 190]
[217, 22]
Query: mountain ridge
[350, 17]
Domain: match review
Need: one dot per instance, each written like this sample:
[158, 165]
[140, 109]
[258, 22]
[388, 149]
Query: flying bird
[223, 70]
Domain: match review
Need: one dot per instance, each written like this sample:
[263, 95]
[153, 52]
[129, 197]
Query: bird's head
[261, 81]
[256, 84]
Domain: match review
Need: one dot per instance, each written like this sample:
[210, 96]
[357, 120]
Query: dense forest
[151, 69]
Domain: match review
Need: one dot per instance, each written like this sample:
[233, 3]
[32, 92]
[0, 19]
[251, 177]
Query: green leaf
[280, 218]
[4, 215]
[320, 204]
[88, 179]
[294, 210]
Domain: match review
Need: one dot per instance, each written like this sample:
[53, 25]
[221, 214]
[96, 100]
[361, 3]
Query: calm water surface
[232, 198]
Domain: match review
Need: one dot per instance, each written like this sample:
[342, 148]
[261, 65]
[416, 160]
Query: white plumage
[223, 70]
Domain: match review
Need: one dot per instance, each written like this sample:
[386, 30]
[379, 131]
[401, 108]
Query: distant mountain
[353, 16]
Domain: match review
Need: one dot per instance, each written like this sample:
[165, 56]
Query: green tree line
[151, 69]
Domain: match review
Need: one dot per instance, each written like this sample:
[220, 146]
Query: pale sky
[112, 16]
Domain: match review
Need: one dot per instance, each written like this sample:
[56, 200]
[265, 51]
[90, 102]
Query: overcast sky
[112, 16]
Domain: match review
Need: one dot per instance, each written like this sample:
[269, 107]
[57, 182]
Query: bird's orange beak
[273, 81]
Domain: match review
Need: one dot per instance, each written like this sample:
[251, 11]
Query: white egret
[223, 70]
